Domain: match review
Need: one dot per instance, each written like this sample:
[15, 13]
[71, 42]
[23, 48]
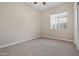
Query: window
[59, 21]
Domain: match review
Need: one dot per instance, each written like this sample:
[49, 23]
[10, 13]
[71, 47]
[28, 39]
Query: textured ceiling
[39, 6]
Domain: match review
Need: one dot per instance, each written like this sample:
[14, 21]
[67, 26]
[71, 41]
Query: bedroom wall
[76, 26]
[18, 22]
[77, 39]
[45, 22]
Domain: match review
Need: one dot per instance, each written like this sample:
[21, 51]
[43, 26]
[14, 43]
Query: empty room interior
[39, 29]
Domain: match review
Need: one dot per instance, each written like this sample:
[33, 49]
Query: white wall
[45, 22]
[18, 22]
[76, 26]
[77, 39]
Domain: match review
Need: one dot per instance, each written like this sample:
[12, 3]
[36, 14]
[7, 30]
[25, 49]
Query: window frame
[58, 17]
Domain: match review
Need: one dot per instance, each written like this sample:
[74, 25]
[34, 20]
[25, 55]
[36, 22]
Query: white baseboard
[10, 44]
[58, 38]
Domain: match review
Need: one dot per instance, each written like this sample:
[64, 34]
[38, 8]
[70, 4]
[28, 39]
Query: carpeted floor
[41, 47]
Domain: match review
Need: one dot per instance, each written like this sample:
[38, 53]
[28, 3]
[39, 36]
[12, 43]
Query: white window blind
[59, 21]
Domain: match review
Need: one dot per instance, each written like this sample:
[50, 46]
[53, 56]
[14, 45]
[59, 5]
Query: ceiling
[39, 6]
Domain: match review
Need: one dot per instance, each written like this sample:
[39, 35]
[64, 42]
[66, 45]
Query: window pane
[54, 21]
[63, 23]
[62, 15]
[55, 16]
[59, 21]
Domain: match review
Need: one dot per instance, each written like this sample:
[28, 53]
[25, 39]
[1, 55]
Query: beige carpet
[41, 47]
